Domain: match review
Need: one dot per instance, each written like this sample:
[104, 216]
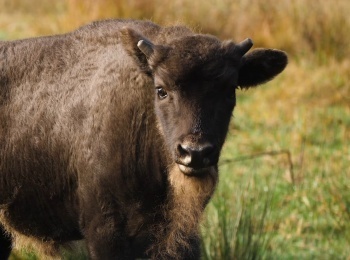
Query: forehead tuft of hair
[194, 57]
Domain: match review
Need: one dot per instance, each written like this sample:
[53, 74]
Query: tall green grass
[261, 209]
[234, 226]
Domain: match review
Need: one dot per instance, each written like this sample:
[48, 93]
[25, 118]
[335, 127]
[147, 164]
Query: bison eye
[161, 93]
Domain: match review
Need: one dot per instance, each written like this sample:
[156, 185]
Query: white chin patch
[184, 168]
[191, 171]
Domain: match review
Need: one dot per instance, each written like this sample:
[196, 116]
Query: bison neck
[187, 199]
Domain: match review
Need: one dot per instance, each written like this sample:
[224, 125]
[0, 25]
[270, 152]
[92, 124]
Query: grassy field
[284, 189]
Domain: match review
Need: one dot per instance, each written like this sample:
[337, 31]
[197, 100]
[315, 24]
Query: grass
[260, 210]
[306, 219]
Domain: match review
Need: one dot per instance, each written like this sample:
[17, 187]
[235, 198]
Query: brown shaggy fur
[183, 212]
[103, 141]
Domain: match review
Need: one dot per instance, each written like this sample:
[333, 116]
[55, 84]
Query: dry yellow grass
[295, 25]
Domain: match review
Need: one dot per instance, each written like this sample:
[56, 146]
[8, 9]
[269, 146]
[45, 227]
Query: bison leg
[104, 241]
[104, 229]
[5, 244]
[177, 251]
[193, 252]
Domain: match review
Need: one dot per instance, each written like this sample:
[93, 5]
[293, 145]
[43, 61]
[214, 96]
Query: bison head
[195, 79]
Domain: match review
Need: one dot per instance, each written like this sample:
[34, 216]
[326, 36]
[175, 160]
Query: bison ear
[260, 66]
[146, 54]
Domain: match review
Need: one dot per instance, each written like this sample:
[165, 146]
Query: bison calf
[112, 134]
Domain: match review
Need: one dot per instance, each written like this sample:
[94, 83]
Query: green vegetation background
[284, 189]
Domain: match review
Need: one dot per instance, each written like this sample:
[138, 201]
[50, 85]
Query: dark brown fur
[88, 151]
[5, 244]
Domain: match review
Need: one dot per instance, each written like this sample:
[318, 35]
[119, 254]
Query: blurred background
[284, 189]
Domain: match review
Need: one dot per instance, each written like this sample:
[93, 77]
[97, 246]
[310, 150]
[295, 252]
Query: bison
[112, 134]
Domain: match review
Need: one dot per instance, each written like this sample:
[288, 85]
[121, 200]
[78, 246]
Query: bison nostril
[184, 154]
[195, 155]
[182, 150]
